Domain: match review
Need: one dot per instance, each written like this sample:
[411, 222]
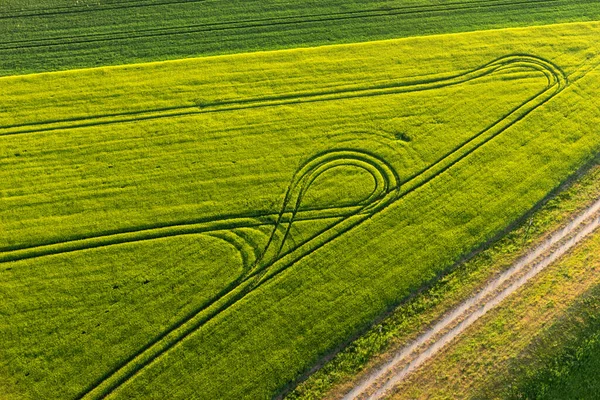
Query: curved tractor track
[517, 62]
[279, 254]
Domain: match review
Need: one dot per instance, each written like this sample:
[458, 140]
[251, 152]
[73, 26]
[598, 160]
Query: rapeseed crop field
[215, 227]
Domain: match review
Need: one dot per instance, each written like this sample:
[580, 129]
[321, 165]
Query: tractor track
[514, 62]
[76, 9]
[265, 23]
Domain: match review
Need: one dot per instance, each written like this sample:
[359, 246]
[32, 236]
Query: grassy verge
[57, 35]
[563, 361]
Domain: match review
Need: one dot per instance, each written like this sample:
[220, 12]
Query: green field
[62, 34]
[573, 375]
[212, 228]
[566, 356]
[581, 382]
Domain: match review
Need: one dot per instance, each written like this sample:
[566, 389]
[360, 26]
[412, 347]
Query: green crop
[63, 34]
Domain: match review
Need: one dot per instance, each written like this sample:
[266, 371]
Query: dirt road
[379, 382]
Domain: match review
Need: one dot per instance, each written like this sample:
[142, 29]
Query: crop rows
[104, 6]
[85, 36]
[263, 23]
[409, 9]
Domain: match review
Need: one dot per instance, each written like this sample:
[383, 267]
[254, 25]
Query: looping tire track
[264, 265]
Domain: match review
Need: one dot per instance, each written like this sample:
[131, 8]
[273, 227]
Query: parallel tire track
[265, 23]
[35, 12]
[517, 62]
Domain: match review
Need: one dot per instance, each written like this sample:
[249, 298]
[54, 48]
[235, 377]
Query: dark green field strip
[184, 29]
[135, 4]
[517, 62]
[17, 6]
[265, 23]
[105, 5]
[273, 260]
[381, 6]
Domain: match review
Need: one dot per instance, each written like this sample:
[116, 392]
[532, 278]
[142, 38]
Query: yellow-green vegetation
[501, 356]
[214, 227]
[47, 35]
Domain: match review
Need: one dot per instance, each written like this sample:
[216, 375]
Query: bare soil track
[381, 381]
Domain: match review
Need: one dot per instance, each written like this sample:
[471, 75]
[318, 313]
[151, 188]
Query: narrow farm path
[382, 380]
